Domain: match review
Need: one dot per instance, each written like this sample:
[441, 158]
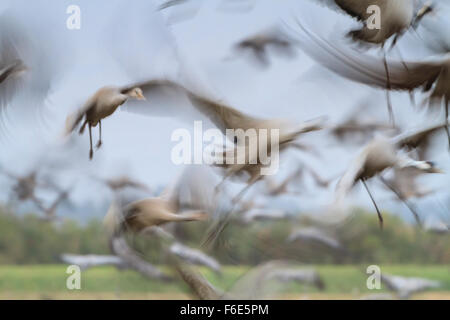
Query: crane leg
[99, 143]
[446, 122]
[388, 90]
[402, 199]
[412, 98]
[229, 173]
[380, 217]
[215, 231]
[219, 186]
[220, 225]
[83, 126]
[38, 203]
[402, 60]
[250, 183]
[91, 151]
[399, 53]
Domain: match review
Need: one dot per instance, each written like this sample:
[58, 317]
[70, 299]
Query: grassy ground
[49, 282]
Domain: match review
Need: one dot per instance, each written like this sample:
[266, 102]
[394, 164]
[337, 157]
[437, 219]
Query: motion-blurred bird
[251, 164]
[182, 201]
[397, 17]
[193, 256]
[260, 43]
[301, 276]
[378, 155]
[50, 212]
[312, 234]
[100, 106]
[170, 3]
[92, 260]
[264, 214]
[259, 282]
[355, 127]
[11, 64]
[142, 214]
[10, 70]
[226, 118]
[421, 140]
[432, 75]
[269, 279]
[199, 286]
[133, 260]
[28, 65]
[318, 179]
[25, 186]
[406, 286]
[184, 253]
[122, 182]
[433, 29]
[404, 181]
[222, 115]
[274, 189]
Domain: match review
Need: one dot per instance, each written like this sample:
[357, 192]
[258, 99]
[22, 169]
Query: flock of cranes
[385, 147]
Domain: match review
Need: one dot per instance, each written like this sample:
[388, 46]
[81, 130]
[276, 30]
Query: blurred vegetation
[397, 243]
[26, 239]
[49, 281]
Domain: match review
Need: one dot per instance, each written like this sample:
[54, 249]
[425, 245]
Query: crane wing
[370, 70]
[417, 138]
[166, 98]
[350, 177]
[356, 8]
[73, 120]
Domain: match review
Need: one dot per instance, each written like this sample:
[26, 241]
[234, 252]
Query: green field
[49, 282]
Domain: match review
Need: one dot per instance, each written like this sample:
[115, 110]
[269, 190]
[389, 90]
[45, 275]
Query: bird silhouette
[100, 106]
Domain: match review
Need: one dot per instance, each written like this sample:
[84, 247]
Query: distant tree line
[26, 239]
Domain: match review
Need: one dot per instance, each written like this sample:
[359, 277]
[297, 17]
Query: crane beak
[426, 9]
[437, 170]
[141, 97]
